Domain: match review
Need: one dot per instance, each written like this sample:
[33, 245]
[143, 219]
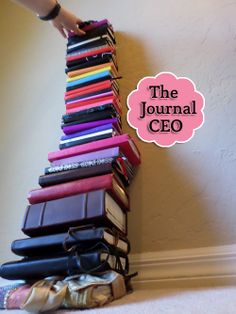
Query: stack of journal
[76, 221]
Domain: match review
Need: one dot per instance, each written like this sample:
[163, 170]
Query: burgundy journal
[108, 181]
[56, 216]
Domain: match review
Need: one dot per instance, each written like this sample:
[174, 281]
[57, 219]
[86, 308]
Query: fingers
[59, 27]
[67, 22]
[74, 28]
[79, 21]
[78, 31]
[61, 30]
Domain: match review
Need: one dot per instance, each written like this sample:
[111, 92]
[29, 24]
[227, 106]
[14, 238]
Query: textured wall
[182, 197]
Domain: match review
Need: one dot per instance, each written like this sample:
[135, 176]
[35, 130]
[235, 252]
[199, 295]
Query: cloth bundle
[77, 292]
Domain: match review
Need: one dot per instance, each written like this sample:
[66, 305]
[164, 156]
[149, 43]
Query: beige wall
[182, 197]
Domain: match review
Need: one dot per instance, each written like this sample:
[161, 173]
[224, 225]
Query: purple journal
[85, 126]
[105, 153]
[89, 131]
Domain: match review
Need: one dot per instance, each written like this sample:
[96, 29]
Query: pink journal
[124, 141]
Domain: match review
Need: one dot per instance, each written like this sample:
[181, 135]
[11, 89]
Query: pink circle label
[165, 109]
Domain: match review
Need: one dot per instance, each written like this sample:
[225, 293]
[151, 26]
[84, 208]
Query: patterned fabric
[5, 293]
[76, 292]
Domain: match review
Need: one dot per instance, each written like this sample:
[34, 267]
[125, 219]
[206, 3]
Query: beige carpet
[192, 301]
[220, 300]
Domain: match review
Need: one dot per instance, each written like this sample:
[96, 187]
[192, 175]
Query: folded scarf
[77, 292]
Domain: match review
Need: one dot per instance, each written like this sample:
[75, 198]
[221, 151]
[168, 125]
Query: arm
[64, 21]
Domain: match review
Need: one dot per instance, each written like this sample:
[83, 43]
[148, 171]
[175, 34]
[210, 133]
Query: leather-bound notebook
[88, 136]
[124, 142]
[56, 216]
[91, 63]
[94, 52]
[75, 73]
[92, 36]
[118, 166]
[63, 265]
[92, 58]
[74, 174]
[83, 238]
[70, 129]
[90, 44]
[96, 24]
[109, 68]
[93, 105]
[91, 88]
[108, 113]
[95, 96]
[87, 104]
[83, 140]
[92, 79]
[101, 154]
[91, 131]
[110, 182]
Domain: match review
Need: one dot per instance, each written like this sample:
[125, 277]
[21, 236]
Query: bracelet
[52, 14]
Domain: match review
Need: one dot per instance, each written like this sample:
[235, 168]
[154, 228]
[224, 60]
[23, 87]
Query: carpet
[216, 300]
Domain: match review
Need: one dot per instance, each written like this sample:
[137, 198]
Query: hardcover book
[71, 129]
[110, 182]
[94, 52]
[57, 216]
[88, 136]
[124, 142]
[80, 237]
[100, 59]
[92, 168]
[92, 105]
[101, 154]
[80, 173]
[77, 72]
[105, 113]
[63, 265]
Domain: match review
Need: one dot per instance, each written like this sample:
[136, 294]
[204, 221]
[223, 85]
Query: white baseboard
[187, 267]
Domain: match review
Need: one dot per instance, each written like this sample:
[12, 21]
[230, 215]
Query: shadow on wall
[167, 210]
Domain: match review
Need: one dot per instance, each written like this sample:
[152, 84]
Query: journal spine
[58, 215]
[77, 165]
[74, 174]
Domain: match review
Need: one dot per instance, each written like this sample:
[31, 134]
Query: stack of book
[77, 220]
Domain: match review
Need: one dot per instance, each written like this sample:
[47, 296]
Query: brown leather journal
[97, 208]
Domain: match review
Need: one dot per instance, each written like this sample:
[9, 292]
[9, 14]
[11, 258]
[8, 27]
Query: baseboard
[187, 267]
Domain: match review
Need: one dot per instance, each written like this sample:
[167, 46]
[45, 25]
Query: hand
[66, 21]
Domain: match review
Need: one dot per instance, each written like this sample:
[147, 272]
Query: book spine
[86, 148]
[123, 141]
[84, 141]
[70, 188]
[74, 116]
[90, 53]
[106, 153]
[77, 165]
[84, 208]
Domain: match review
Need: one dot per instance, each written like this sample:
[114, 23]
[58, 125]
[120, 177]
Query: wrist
[52, 13]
